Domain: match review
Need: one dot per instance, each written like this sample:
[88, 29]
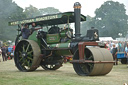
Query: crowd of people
[5, 53]
[117, 46]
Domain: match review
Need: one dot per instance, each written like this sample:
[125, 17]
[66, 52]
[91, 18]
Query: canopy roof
[51, 19]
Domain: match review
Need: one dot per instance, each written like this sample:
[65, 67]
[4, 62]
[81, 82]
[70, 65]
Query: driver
[25, 32]
[33, 28]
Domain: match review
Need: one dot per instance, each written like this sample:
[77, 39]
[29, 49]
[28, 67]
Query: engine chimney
[77, 12]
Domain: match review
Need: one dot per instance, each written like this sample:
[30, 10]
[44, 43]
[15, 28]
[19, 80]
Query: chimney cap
[77, 5]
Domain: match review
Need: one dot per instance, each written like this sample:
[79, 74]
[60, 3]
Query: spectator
[0, 51]
[114, 54]
[119, 46]
[126, 52]
[4, 53]
[14, 48]
[125, 44]
[0, 54]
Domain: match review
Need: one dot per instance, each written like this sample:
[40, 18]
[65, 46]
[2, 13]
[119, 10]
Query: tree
[9, 11]
[49, 10]
[31, 11]
[87, 24]
[111, 19]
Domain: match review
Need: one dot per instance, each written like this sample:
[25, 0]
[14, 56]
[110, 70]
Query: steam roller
[49, 46]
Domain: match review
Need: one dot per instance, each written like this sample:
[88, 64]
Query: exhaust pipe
[77, 12]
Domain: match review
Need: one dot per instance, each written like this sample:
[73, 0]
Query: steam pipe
[77, 12]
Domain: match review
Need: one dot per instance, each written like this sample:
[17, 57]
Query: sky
[88, 6]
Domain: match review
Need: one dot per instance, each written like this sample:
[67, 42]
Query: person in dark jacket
[0, 51]
[114, 54]
[4, 50]
[25, 32]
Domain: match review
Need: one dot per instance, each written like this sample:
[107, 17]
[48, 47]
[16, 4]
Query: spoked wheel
[83, 68]
[27, 55]
[94, 54]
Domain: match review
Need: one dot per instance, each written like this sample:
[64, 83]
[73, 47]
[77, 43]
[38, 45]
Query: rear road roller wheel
[26, 55]
[93, 69]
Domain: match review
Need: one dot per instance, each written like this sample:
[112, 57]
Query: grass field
[9, 75]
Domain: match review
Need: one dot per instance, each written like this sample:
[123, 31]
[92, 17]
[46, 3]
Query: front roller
[97, 61]
[27, 55]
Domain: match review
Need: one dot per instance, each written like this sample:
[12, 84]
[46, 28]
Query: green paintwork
[62, 34]
[53, 19]
[64, 45]
[37, 19]
[33, 37]
[64, 52]
[53, 38]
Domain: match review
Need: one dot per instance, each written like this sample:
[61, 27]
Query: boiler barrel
[63, 49]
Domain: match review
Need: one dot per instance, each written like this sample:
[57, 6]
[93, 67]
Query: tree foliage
[31, 11]
[49, 10]
[10, 11]
[110, 19]
[87, 25]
